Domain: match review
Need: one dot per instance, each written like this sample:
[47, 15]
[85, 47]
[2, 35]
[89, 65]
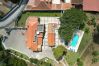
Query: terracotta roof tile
[32, 26]
[91, 5]
[51, 39]
[51, 34]
[43, 5]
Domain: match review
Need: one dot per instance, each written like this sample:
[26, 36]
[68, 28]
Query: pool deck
[80, 33]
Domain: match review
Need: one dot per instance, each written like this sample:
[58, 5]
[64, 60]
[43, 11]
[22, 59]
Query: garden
[72, 20]
[22, 19]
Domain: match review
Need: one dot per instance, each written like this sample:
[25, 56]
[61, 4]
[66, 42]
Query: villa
[34, 34]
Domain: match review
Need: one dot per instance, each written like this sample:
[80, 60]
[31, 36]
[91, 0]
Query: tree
[9, 60]
[71, 20]
[59, 52]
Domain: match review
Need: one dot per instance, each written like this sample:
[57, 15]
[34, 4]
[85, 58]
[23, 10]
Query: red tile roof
[32, 43]
[51, 39]
[43, 5]
[51, 34]
[91, 5]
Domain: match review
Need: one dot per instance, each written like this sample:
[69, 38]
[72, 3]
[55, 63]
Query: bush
[33, 60]
[94, 60]
[82, 26]
[59, 52]
[93, 21]
[87, 30]
[95, 53]
[79, 62]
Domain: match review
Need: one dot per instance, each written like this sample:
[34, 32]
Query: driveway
[16, 41]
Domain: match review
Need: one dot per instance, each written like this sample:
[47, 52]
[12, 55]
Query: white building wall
[55, 1]
[67, 1]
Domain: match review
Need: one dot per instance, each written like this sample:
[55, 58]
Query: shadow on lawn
[96, 38]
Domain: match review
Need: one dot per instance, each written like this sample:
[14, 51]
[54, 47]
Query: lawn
[24, 16]
[87, 38]
[71, 57]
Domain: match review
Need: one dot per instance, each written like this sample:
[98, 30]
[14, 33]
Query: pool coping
[78, 43]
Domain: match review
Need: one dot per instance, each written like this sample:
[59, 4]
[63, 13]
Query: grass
[71, 57]
[48, 60]
[85, 40]
[20, 54]
[24, 16]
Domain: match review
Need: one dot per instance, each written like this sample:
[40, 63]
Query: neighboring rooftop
[77, 1]
[48, 5]
[91, 5]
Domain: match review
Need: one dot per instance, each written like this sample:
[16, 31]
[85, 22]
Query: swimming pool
[74, 41]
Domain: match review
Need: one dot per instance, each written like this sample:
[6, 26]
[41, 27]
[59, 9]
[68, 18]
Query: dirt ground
[87, 57]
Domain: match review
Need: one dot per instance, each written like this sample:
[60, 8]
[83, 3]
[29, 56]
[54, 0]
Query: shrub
[94, 60]
[79, 62]
[93, 21]
[95, 53]
[87, 30]
[59, 52]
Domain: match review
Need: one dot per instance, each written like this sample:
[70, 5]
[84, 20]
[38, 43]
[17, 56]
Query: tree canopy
[71, 20]
[7, 59]
[59, 52]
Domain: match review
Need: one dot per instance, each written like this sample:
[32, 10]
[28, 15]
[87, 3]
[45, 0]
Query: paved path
[13, 14]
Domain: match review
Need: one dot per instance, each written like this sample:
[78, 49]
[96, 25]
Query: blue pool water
[74, 40]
